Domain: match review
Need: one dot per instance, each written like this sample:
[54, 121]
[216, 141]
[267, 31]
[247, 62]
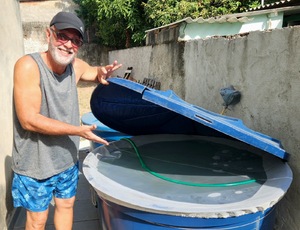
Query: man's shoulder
[25, 62]
[26, 66]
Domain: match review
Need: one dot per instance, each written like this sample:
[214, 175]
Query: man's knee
[64, 203]
[36, 220]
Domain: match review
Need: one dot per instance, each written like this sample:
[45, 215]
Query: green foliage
[122, 23]
[118, 23]
[161, 12]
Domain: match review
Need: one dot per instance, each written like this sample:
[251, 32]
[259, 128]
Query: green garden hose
[236, 183]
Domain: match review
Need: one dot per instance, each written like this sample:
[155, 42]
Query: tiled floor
[85, 213]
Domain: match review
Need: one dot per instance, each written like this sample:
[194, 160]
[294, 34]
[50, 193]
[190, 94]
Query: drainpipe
[262, 2]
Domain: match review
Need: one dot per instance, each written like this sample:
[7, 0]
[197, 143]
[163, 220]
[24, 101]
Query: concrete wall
[11, 48]
[162, 63]
[264, 66]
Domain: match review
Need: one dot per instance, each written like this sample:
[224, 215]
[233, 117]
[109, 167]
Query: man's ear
[48, 33]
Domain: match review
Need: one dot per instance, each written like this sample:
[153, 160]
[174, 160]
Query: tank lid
[135, 109]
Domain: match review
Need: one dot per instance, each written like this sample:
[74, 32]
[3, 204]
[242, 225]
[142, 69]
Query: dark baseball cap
[67, 20]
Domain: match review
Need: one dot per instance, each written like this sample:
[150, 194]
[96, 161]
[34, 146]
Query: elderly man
[47, 126]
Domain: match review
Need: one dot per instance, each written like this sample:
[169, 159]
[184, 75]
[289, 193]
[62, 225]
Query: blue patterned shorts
[36, 195]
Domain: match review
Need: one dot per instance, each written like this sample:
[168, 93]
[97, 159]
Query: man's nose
[69, 43]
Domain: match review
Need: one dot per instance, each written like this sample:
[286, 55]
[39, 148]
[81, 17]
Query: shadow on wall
[8, 197]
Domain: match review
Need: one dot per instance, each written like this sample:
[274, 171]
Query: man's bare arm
[27, 97]
[85, 72]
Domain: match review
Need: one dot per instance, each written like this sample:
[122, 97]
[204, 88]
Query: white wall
[207, 29]
[11, 48]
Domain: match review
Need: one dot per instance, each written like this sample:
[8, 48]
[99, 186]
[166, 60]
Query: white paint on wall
[11, 47]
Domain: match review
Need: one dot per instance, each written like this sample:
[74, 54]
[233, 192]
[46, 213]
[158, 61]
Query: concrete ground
[85, 212]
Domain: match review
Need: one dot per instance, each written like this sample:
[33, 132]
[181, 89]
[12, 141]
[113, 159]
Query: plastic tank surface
[186, 182]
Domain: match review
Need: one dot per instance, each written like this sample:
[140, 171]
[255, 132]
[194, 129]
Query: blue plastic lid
[90, 119]
[135, 109]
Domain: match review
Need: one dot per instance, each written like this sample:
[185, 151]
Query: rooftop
[274, 5]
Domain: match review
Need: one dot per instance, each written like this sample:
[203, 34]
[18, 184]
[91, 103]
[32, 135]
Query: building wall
[264, 66]
[261, 22]
[11, 47]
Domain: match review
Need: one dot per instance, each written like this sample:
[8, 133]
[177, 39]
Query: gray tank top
[42, 156]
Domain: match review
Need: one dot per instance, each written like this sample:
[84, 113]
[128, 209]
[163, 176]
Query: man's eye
[76, 41]
[63, 37]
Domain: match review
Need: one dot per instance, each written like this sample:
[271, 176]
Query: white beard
[58, 58]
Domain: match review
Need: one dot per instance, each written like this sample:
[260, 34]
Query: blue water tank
[173, 181]
[183, 167]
